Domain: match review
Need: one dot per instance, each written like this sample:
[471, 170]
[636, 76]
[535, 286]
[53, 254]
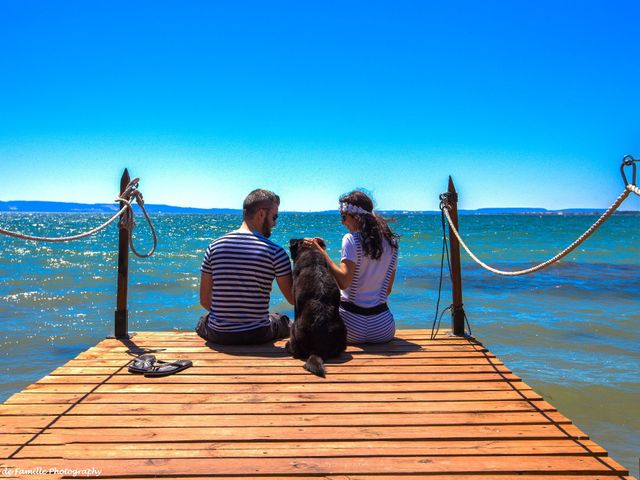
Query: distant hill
[63, 207]
[530, 211]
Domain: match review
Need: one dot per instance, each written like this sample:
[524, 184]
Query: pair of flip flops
[151, 367]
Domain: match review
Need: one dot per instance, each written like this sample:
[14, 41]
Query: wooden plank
[190, 332]
[301, 407]
[66, 379]
[466, 448]
[296, 369]
[26, 397]
[201, 345]
[274, 420]
[304, 376]
[386, 348]
[334, 433]
[311, 387]
[33, 397]
[401, 476]
[376, 361]
[5, 451]
[151, 338]
[17, 438]
[513, 464]
[10, 409]
[280, 388]
[267, 356]
[443, 334]
[76, 388]
[87, 370]
[9, 422]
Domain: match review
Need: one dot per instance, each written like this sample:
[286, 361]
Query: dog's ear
[294, 246]
[321, 243]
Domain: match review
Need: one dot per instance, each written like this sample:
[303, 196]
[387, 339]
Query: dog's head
[296, 245]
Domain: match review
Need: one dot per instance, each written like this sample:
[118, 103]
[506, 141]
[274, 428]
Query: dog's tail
[315, 365]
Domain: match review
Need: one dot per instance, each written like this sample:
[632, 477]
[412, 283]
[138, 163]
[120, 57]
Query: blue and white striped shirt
[243, 266]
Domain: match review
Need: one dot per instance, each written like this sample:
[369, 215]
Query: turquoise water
[572, 331]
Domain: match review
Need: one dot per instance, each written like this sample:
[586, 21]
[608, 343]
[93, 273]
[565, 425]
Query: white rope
[563, 253]
[634, 189]
[24, 236]
[131, 223]
[127, 222]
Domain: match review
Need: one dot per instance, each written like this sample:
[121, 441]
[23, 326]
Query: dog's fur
[317, 333]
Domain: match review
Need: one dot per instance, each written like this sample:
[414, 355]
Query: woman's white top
[371, 277]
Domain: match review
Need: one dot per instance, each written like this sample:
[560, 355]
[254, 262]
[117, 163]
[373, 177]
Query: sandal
[162, 369]
[142, 364]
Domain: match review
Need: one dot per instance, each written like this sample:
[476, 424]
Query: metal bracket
[629, 161]
[126, 337]
[447, 198]
[465, 335]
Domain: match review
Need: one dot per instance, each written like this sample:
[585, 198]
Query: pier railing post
[121, 330]
[457, 312]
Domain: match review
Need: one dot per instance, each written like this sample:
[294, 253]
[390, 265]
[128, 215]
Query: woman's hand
[317, 243]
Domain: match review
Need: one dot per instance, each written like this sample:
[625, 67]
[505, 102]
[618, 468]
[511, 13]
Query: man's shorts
[278, 328]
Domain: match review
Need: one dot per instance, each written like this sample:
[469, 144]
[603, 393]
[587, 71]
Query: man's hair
[258, 199]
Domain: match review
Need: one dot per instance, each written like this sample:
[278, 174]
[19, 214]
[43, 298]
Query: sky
[524, 104]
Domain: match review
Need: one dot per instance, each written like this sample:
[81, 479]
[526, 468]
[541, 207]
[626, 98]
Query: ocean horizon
[42, 206]
[571, 331]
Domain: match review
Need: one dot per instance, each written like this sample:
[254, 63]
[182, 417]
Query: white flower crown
[350, 208]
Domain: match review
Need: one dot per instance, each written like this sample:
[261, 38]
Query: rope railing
[24, 236]
[449, 210]
[629, 188]
[127, 220]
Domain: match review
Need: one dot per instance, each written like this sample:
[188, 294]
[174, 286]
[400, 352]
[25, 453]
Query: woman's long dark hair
[373, 227]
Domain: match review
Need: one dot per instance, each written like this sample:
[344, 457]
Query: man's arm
[285, 285]
[206, 285]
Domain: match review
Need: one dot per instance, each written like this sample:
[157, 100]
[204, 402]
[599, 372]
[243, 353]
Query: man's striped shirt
[243, 266]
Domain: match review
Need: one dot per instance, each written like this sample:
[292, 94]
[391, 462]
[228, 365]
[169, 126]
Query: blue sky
[524, 103]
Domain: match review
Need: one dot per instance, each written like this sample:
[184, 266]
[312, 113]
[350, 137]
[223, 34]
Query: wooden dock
[413, 408]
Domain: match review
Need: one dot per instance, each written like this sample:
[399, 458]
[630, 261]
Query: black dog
[317, 333]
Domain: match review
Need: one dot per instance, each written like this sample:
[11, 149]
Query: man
[236, 278]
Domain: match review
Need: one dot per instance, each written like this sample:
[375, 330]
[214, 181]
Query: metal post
[457, 313]
[122, 313]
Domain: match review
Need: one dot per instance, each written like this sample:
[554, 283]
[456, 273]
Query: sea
[571, 331]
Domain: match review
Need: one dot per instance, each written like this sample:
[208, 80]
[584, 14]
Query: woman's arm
[393, 277]
[343, 273]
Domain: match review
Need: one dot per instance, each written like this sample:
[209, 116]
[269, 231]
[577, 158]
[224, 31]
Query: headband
[351, 208]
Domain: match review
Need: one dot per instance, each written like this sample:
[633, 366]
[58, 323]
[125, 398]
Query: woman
[366, 272]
